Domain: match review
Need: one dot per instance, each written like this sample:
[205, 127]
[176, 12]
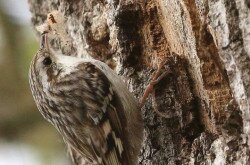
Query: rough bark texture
[205, 95]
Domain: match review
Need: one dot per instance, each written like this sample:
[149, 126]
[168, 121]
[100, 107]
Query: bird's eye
[47, 61]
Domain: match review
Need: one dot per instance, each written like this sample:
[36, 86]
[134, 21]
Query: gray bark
[206, 94]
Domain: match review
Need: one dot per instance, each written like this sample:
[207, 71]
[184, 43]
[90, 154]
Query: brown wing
[105, 123]
[77, 157]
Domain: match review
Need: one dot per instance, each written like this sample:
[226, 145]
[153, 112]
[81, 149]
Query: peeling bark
[206, 94]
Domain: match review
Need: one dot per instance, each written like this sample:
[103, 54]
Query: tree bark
[199, 112]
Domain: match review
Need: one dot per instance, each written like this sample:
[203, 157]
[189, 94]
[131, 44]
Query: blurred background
[25, 137]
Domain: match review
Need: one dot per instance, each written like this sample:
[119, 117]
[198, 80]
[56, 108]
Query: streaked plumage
[90, 106]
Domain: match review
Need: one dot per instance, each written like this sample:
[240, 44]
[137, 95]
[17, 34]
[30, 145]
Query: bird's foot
[157, 76]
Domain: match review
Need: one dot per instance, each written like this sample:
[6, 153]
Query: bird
[90, 106]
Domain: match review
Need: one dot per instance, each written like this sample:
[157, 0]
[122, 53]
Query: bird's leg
[156, 78]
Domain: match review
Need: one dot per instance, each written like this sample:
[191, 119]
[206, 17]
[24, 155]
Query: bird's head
[48, 67]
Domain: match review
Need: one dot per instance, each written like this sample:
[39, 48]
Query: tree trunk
[199, 112]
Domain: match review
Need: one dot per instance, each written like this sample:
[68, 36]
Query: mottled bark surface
[206, 93]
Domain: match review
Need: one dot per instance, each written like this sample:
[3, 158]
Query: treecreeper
[87, 102]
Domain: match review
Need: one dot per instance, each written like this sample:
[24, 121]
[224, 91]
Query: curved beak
[44, 41]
